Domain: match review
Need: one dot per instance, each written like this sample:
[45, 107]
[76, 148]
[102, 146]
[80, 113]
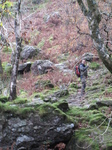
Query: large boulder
[47, 125]
[104, 103]
[29, 52]
[23, 68]
[88, 56]
[41, 67]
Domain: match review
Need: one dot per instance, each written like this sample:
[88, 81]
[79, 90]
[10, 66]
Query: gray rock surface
[29, 52]
[35, 129]
[24, 67]
[41, 67]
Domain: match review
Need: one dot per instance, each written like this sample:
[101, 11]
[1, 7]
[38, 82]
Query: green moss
[47, 92]
[1, 106]
[6, 68]
[51, 39]
[94, 66]
[62, 105]
[41, 44]
[19, 100]
[44, 84]
[25, 111]
[75, 111]
[47, 111]
[23, 94]
[83, 115]
[95, 83]
[84, 139]
[73, 85]
[108, 90]
[78, 114]
[92, 88]
[10, 109]
[91, 137]
[96, 119]
[95, 95]
[14, 108]
[103, 109]
[3, 99]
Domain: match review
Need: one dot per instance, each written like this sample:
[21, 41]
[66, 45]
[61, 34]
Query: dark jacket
[83, 70]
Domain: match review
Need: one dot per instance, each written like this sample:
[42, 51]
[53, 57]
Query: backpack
[77, 70]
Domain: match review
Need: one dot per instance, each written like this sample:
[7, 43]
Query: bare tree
[93, 14]
[16, 54]
[12, 23]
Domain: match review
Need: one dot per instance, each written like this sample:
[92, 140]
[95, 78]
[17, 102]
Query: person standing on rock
[83, 76]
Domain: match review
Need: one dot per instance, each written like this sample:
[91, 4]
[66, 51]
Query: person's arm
[82, 68]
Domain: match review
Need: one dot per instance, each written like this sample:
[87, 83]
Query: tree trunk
[16, 55]
[94, 17]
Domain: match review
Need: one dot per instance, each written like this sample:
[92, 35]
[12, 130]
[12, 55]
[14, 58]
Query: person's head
[83, 61]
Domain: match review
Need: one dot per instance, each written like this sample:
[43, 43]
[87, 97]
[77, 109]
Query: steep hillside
[50, 101]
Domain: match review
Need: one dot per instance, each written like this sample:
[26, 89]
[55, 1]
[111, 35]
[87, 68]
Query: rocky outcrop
[29, 52]
[41, 67]
[56, 95]
[88, 56]
[64, 67]
[23, 68]
[45, 126]
[104, 103]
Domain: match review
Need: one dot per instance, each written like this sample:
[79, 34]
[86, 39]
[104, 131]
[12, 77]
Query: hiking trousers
[83, 81]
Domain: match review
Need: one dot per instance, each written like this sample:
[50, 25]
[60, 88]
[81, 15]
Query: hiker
[83, 76]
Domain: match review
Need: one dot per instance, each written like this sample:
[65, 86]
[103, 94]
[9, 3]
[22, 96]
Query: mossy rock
[104, 103]
[4, 99]
[51, 112]
[93, 107]
[62, 105]
[19, 100]
[44, 84]
[15, 107]
[56, 95]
